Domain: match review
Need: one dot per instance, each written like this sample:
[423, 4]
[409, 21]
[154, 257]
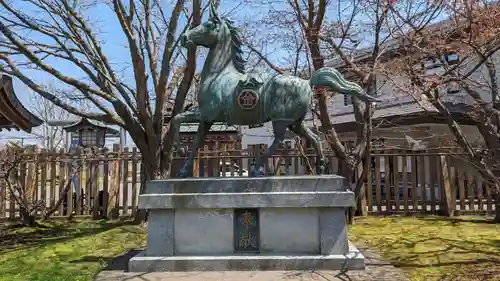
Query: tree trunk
[484, 163]
[63, 194]
[150, 170]
[27, 219]
[497, 206]
[493, 144]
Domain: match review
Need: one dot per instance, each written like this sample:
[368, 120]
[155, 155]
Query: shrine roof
[84, 122]
[411, 113]
[13, 115]
[216, 127]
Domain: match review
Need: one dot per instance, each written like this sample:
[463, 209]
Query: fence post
[387, 182]
[448, 200]
[134, 181]
[94, 185]
[395, 180]
[404, 162]
[61, 175]
[87, 209]
[114, 190]
[361, 204]
[124, 174]
[43, 177]
[414, 181]
[22, 175]
[79, 182]
[378, 185]
[53, 165]
[3, 191]
[105, 185]
[70, 207]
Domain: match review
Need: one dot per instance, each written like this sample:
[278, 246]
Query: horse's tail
[335, 81]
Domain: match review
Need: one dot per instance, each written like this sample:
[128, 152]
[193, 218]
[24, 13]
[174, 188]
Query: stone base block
[354, 260]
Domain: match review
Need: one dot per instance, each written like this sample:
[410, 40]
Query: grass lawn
[428, 248]
[62, 251]
[431, 248]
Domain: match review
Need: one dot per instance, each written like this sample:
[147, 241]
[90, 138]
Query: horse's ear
[213, 11]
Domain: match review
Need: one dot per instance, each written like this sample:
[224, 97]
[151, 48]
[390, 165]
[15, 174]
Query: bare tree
[313, 32]
[51, 137]
[22, 185]
[470, 33]
[53, 36]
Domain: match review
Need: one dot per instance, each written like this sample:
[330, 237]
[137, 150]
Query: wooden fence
[108, 184]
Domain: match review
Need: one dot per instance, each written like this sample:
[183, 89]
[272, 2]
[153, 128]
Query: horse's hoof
[184, 173]
[320, 168]
[182, 151]
[256, 173]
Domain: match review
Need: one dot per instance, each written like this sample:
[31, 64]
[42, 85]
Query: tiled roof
[389, 111]
[13, 115]
[392, 44]
[217, 127]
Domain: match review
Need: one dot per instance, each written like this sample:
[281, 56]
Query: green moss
[65, 251]
[427, 248]
[431, 248]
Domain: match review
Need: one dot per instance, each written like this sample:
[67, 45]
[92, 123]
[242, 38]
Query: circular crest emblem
[248, 99]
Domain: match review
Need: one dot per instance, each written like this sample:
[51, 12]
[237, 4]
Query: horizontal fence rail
[107, 184]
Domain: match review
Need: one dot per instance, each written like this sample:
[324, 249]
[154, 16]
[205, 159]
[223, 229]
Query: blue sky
[115, 47]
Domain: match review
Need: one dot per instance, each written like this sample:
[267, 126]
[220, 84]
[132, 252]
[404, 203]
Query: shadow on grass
[434, 247]
[472, 259]
[430, 217]
[478, 220]
[112, 263]
[48, 235]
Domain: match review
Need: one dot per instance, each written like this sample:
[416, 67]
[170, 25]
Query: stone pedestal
[268, 223]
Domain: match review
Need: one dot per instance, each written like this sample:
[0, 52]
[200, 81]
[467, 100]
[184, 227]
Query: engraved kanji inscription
[247, 241]
[246, 230]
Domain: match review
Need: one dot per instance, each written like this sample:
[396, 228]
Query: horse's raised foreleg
[187, 169]
[279, 130]
[302, 130]
[190, 116]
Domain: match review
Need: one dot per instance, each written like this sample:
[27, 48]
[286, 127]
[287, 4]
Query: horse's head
[208, 33]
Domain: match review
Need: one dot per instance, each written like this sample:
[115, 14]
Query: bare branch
[166, 66]
[14, 71]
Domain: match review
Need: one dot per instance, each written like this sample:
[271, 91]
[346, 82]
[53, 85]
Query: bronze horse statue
[227, 93]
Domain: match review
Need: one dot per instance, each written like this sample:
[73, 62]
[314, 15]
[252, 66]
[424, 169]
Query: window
[378, 143]
[286, 144]
[430, 65]
[347, 100]
[88, 137]
[452, 88]
[349, 145]
[255, 126]
[226, 168]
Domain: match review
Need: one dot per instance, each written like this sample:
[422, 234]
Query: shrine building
[13, 115]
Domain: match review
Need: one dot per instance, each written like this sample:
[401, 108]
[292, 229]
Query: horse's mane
[237, 52]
